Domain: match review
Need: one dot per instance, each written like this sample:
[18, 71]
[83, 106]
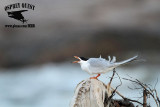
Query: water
[52, 85]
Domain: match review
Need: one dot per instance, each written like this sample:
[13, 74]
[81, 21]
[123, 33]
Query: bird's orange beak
[76, 58]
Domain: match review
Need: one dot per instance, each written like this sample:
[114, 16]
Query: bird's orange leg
[95, 77]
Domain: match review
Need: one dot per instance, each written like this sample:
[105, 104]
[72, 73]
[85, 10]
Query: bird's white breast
[85, 66]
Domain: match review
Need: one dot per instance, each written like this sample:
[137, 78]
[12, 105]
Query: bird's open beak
[76, 58]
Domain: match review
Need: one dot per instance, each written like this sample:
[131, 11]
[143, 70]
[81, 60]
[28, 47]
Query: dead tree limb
[112, 77]
[144, 98]
[94, 93]
[125, 98]
[113, 91]
[148, 91]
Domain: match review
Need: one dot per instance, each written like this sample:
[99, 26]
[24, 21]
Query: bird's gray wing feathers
[98, 64]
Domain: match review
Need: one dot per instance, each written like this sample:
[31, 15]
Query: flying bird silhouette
[17, 15]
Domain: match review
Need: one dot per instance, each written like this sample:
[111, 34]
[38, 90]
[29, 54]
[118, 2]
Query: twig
[156, 84]
[119, 79]
[157, 97]
[112, 77]
[145, 87]
[126, 98]
[113, 93]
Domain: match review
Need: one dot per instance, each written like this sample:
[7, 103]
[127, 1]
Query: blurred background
[35, 63]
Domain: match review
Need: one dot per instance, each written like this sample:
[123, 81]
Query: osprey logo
[17, 15]
[16, 11]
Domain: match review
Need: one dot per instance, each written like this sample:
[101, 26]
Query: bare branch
[112, 77]
[119, 79]
[144, 98]
[126, 98]
[157, 97]
[113, 93]
[156, 83]
[145, 87]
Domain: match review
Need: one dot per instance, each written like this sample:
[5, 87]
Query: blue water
[52, 85]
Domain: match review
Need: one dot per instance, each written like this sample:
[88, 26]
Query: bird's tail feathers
[126, 61]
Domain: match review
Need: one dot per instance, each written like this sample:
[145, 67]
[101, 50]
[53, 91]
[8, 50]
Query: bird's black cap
[83, 58]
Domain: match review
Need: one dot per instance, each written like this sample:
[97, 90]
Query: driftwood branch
[90, 93]
[94, 93]
[144, 98]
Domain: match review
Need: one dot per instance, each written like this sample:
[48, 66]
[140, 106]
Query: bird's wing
[98, 64]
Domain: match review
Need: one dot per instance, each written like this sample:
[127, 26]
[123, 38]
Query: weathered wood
[94, 93]
[144, 98]
[90, 93]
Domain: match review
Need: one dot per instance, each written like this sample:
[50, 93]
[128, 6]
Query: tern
[100, 65]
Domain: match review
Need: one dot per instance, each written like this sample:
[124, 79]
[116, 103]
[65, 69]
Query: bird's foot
[95, 77]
